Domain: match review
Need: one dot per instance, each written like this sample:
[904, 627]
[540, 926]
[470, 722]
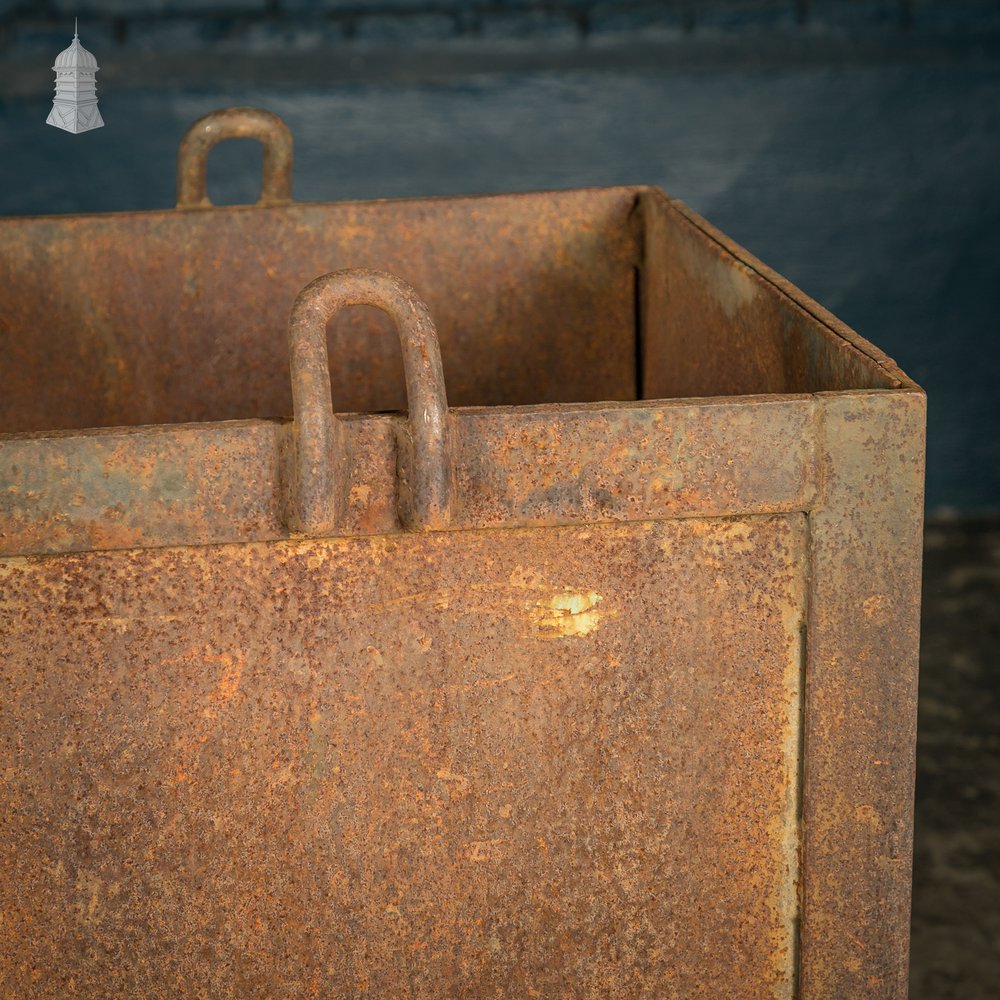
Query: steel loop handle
[235, 123]
[426, 460]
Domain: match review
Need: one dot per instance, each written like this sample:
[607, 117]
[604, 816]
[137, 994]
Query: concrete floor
[955, 948]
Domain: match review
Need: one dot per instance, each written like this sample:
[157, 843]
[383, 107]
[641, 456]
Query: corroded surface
[235, 123]
[561, 758]
[861, 697]
[141, 486]
[228, 481]
[426, 460]
[720, 322]
[521, 763]
[179, 316]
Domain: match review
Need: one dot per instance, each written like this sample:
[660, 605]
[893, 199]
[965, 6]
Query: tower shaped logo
[75, 105]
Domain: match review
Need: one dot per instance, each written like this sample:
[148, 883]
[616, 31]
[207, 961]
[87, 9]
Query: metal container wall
[599, 681]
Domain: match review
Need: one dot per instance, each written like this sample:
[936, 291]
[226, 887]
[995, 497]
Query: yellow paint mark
[566, 614]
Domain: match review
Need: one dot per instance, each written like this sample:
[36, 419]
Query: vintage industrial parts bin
[595, 678]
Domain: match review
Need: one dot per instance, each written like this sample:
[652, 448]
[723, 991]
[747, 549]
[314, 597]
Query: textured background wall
[307, 22]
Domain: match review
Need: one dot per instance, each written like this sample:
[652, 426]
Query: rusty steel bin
[582, 666]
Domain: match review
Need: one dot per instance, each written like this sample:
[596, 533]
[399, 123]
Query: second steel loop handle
[235, 123]
[427, 467]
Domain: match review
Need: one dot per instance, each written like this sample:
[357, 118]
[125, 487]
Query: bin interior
[578, 296]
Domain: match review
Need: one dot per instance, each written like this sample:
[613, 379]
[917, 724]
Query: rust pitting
[395, 758]
[629, 714]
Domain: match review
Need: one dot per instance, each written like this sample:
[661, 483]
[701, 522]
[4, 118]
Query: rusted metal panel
[716, 457]
[140, 486]
[225, 482]
[501, 700]
[840, 357]
[861, 696]
[733, 326]
[530, 762]
[533, 297]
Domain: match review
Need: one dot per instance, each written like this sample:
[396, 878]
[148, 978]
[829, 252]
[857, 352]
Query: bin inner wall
[182, 316]
[717, 322]
[577, 296]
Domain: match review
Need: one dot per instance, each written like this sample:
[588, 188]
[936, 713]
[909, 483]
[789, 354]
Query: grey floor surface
[955, 949]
